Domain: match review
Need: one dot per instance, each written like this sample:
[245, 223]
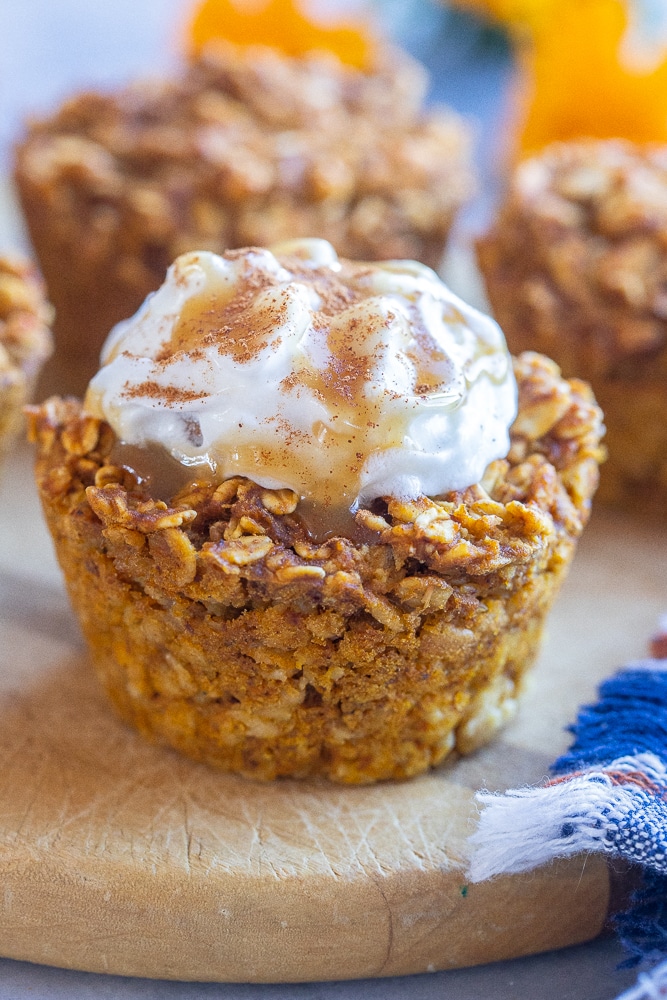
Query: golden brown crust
[219, 627]
[575, 266]
[245, 148]
[25, 341]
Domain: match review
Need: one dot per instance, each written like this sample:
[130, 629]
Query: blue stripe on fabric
[630, 718]
[642, 928]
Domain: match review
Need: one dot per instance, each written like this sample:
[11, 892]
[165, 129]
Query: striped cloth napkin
[609, 794]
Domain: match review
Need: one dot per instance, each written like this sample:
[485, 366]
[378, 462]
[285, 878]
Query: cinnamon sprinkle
[169, 393]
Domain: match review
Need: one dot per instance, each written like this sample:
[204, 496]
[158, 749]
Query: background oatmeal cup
[246, 146]
[25, 341]
[575, 265]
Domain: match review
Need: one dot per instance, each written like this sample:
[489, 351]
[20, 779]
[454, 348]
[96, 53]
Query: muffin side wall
[269, 655]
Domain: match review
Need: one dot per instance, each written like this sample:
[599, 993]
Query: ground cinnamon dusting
[344, 344]
[154, 390]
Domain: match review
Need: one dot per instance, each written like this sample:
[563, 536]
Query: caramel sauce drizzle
[241, 322]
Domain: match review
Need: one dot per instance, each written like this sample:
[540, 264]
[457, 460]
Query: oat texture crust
[219, 627]
[25, 342]
[575, 266]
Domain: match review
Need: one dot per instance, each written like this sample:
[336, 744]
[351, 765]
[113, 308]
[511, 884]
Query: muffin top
[341, 381]
[583, 229]
[247, 146]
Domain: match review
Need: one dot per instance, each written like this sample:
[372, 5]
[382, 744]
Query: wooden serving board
[119, 856]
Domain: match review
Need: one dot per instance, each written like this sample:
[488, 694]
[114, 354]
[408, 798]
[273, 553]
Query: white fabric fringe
[649, 986]
[527, 827]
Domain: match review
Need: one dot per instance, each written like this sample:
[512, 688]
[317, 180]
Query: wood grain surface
[119, 856]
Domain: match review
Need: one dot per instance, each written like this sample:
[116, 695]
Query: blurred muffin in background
[25, 341]
[575, 265]
[247, 146]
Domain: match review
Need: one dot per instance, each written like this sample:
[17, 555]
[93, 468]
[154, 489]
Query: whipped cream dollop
[343, 381]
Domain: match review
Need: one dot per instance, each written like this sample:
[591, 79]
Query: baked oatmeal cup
[25, 342]
[294, 527]
[575, 265]
[246, 147]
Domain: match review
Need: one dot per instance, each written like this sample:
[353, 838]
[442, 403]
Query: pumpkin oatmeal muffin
[25, 341]
[246, 147]
[343, 571]
[575, 265]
